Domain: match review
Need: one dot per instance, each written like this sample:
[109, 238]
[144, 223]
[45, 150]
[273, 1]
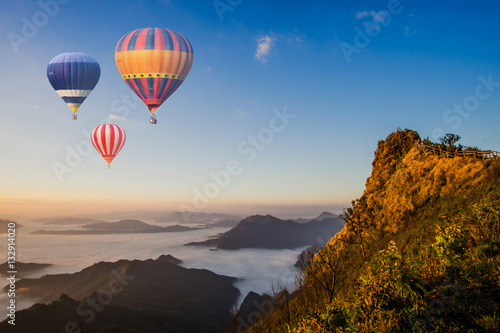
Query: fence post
[477, 154]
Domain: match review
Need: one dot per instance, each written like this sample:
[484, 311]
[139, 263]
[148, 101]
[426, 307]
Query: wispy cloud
[115, 117]
[409, 32]
[38, 107]
[360, 15]
[377, 16]
[243, 113]
[264, 45]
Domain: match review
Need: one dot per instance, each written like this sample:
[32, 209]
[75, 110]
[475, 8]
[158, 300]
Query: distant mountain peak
[169, 258]
[267, 231]
[325, 215]
[122, 224]
[260, 219]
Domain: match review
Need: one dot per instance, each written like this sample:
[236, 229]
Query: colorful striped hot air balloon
[108, 140]
[154, 62]
[73, 75]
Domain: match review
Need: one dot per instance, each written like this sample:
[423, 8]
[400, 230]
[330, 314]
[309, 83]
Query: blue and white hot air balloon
[73, 75]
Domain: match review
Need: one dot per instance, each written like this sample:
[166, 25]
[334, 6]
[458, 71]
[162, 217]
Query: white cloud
[264, 45]
[208, 69]
[409, 32]
[38, 107]
[360, 15]
[242, 112]
[115, 117]
[377, 16]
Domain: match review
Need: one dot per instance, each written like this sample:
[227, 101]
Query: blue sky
[427, 66]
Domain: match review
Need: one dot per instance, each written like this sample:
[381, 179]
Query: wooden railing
[480, 154]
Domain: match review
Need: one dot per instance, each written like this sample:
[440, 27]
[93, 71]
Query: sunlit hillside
[419, 252]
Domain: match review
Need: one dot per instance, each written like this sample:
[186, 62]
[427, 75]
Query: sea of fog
[256, 269]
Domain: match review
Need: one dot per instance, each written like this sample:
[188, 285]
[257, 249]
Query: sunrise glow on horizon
[281, 111]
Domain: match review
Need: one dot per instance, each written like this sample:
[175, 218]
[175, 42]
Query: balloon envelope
[108, 140]
[154, 62]
[73, 75]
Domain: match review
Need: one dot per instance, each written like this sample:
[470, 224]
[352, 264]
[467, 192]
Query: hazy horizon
[280, 211]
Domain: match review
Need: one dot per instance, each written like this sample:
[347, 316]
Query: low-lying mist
[256, 269]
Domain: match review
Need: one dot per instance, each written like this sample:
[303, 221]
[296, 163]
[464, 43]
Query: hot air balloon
[108, 140]
[154, 62]
[73, 75]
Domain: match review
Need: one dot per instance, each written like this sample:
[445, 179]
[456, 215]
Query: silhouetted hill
[112, 318]
[4, 226]
[125, 215]
[170, 259]
[100, 217]
[120, 227]
[325, 215]
[253, 309]
[70, 221]
[156, 216]
[320, 217]
[22, 268]
[260, 231]
[129, 296]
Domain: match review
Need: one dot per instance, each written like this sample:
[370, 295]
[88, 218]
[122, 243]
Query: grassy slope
[420, 251]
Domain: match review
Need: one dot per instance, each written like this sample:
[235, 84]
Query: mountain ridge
[120, 227]
[140, 295]
[267, 231]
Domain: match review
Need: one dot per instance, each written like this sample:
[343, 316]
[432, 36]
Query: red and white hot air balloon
[108, 140]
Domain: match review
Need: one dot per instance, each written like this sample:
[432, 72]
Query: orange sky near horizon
[48, 207]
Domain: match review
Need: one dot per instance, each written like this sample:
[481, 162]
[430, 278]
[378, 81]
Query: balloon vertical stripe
[108, 140]
[133, 41]
[154, 62]
[159, 41]
[141, 40]
[175, 41]
[98, 143]
[188, 45]
[163, 84]
[156, 88]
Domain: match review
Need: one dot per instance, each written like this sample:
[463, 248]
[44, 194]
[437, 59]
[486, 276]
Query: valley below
[70, 249]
